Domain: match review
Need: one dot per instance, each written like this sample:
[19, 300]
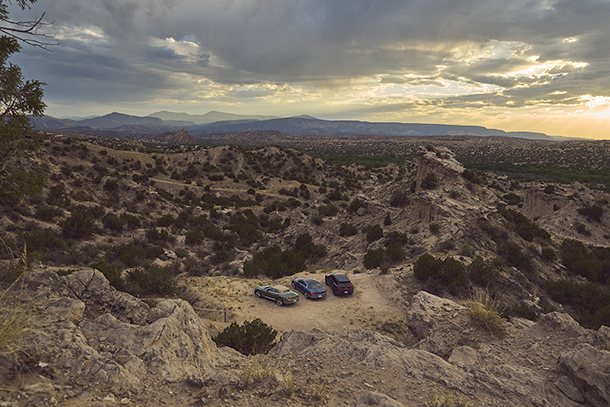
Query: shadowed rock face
[440, 163]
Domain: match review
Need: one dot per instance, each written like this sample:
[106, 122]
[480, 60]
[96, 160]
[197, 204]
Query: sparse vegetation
[250, 338]
[484, 311]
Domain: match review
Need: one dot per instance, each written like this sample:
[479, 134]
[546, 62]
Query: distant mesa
[213, 124]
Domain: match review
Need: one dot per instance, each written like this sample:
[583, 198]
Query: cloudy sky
[518, 65]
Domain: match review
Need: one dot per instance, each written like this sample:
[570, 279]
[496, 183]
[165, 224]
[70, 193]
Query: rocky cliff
[91, 345]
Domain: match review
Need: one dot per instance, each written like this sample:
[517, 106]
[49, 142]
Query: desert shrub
[388, 220]
[47, 213]
[549, 189]
[165, 220]
[591, 263]
[515, 257]
[496, 234]
[484, 311]
[446, 245]
[400, 238]
[548, 253]
[399, 199]
[79, 225]
[42, 240]
[156, 236]
[524, 310]
[582, 229]
[130, 254]
[193, 237]
[374, 233]
[328, 210]
[250, 338]
[355, 204]
[373, 258]
[473, 176]
[593, 212]
[111, 185]
[435, 228]
[591, 301]
[153, 280]
[304, 245]
[347, 229]
[112, 274]
[448, 274]
[112, 222]
[132, 222]
[525, 228]
[195, 267]
[512, 199]
[430, 181]
[275, 263]
[482, 273]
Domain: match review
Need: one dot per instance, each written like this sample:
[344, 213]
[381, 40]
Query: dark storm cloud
[244, 42]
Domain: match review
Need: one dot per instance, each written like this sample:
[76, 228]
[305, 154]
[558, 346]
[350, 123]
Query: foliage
[592, 212]
[79, 225]
[399, 199]
[347, 229]
[374, 233]
[448, 274]
[592, 263]
[275, 263]
[525, 228]
[250, 338]
[19, 174]
[482, 272]
[484, 311]
[430, 181]
[515, 257]
[393, 254]
[112, 274]
[153, 280]
[591, 301]
[304, 245]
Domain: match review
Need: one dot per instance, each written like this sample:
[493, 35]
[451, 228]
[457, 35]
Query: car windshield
[286, 290]
[314, 284]
[341, 278]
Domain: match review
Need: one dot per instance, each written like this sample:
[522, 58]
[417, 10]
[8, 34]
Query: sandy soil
[376, 300]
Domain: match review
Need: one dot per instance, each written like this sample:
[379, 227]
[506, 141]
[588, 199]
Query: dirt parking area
[376, 300]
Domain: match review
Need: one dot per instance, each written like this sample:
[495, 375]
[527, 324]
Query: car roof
[310, 280]
[280, 288]
[341, 277]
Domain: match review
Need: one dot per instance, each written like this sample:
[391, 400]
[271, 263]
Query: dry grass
[261, 368]
[290, 385]
[484, 311]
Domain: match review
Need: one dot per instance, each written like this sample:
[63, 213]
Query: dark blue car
[309, 287]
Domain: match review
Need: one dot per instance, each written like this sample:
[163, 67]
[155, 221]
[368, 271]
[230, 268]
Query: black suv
[339, 283]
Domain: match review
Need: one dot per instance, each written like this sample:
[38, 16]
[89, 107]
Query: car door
[272, 293]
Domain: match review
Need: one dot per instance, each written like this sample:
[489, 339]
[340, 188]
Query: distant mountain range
[217, 123]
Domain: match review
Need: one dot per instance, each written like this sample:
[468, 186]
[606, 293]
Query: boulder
[91, 287]
[377, 400]
[588, 368]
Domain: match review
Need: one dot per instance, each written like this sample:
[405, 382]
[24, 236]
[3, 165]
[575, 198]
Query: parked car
[278, 293]
[339, 283]
[309, 287]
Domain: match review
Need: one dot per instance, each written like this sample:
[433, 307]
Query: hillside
[140, 255]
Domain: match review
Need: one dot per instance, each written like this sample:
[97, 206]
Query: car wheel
[257, 293]
[306, 295]
[279, 302]
[334, 291]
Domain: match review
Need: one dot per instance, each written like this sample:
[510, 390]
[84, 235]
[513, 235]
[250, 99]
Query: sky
[518, 65]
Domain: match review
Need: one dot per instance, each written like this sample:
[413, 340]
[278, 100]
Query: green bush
[251, 338]
[593, 212]
[515, 257]
[42, 240]
[399, 199]
[482, 273]
[112, 222]
[430, 181]
[275, 263]
[112, 274]
[153, 280]
[347, 229]
[525, 228]
[374, 233]
[47, 213]
[79, 225]
[448, 274]
[391, 255]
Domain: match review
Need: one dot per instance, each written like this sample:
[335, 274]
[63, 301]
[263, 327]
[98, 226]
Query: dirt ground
[376, 300]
